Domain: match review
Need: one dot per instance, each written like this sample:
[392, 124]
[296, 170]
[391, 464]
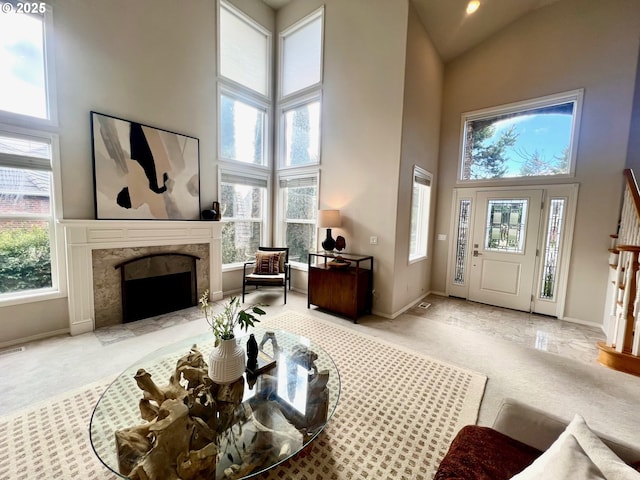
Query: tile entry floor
[548, 334]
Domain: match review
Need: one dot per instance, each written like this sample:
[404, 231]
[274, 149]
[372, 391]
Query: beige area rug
[398, 412]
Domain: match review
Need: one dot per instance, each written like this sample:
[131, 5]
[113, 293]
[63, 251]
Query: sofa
[526, 443]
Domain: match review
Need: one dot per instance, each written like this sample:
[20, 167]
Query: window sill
[32, 297]
[303, 267]
[417, 259]
[232, 267]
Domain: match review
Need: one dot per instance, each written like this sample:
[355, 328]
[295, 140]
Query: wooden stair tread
[621, 361]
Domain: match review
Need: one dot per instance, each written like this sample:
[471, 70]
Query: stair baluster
[621, 351]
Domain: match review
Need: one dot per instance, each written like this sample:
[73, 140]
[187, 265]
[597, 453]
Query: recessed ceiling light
[472, 6]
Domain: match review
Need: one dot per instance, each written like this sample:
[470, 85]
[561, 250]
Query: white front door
[503, 247]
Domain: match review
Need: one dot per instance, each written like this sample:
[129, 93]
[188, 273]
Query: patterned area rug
[398, 413]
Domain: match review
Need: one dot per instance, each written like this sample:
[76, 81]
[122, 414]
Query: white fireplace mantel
[84, 236]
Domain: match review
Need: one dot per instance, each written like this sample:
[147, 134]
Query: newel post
[624, 341]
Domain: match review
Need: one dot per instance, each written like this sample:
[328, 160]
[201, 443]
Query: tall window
[420, 206]
[244, 132]
[245, 50]
[243, 200]
[29, 175]
[535, 138]
[25, 64]
[299, 134]
[242, 129]
[27, 223]
[299, 202]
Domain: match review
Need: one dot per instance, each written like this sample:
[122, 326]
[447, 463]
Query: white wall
[567, 45]
[364, 61]
[420, 144]
[151, 61]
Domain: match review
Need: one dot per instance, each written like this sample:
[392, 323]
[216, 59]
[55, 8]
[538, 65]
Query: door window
[506, 222]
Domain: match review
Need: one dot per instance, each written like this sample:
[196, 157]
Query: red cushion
[481, 453]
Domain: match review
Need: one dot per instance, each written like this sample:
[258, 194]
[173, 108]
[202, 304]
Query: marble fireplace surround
[83, 237]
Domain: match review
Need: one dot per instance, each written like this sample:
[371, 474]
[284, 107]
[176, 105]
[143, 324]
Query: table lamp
[329, 219]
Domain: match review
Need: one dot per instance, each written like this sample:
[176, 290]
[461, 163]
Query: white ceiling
[452, 30]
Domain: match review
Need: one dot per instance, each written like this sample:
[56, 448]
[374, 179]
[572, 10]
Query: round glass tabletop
[222, 432]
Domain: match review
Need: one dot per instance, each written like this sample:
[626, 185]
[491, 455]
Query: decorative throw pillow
[578, 453]
[267, 263]
[608, 462]
[564, 459]
[283, 259]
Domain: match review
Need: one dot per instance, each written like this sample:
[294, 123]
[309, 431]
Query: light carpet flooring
[544, 362]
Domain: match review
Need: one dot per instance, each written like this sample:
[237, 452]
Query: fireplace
[157, 283]
[95, 247]
[108, 298]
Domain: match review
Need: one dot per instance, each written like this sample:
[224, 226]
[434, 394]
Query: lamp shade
[329, 218]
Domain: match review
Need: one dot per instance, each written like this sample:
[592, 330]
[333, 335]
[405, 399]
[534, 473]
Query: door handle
[476, 254]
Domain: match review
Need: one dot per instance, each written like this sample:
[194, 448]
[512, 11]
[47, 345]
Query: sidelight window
[552, 247]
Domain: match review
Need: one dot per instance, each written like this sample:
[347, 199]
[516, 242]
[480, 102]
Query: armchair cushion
[268, 263]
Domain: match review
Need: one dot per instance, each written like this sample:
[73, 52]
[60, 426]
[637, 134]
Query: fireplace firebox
[157, 283]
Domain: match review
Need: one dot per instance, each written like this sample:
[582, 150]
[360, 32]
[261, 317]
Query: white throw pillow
[565, 460]
[578, 453]
[608, 462]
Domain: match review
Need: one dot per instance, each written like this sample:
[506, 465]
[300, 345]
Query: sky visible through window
[22, 65]
[547, 135]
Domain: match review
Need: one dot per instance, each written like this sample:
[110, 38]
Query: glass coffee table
[219, 432]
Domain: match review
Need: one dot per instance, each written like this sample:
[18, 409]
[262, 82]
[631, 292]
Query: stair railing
[621, 350]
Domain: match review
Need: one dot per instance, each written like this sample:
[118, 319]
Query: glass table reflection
[282, 409]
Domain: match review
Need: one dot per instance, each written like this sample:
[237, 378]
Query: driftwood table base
[183, 421]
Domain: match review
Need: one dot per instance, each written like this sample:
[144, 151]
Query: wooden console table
[345, 290]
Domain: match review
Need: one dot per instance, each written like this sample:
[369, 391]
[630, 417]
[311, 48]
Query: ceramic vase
[226, 362]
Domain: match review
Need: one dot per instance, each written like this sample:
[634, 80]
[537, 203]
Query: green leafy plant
[25, 261]
[223, 323]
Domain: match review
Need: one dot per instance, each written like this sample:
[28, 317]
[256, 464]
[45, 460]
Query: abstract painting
[142, 173]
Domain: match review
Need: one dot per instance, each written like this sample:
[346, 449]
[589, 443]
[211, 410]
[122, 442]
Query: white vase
[226, 362]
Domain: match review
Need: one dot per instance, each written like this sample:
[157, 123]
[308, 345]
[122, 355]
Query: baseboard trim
[33, 338]
[440, 294]
[83, 326]
[403, 309]
[583, 322]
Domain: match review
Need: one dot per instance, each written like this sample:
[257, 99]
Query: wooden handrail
[629, 248]
[633, 188]
[621, 351]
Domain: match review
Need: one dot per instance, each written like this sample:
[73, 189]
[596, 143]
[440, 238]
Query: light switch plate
[373, 240]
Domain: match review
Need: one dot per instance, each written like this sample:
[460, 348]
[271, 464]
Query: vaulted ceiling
[453, 31]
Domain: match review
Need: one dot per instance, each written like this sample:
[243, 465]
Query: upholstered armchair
[269, 269]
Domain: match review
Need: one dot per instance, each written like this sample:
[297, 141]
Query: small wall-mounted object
[213, 213]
